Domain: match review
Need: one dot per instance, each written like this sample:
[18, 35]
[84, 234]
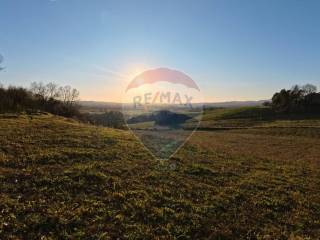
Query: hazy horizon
[234, 50]
[205, 102]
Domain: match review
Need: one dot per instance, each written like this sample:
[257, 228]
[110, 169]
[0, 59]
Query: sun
[136, 69]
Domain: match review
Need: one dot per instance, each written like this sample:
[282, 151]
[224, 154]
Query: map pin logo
[163, 108]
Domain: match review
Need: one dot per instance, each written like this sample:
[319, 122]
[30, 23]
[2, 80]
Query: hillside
[60, 179]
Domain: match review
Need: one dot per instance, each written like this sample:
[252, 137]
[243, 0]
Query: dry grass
[63, 180]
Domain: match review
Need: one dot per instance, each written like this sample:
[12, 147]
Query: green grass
[254, 117]
[60, 179]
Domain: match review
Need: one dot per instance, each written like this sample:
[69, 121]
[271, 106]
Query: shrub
[39, 98]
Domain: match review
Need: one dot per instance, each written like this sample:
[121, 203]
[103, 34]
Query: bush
[39, 98]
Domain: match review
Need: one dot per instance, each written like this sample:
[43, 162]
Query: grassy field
[255, 178]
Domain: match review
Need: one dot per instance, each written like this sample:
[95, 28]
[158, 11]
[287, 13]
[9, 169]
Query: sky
[233, 49]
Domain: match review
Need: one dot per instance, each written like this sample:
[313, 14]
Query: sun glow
[135, 69]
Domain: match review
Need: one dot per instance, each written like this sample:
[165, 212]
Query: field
[241, 176]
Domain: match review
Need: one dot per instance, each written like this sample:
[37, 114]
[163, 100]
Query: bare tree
[64, 93]
[68, 95]
[308, 89]
[39, 89]
[74, 95]
[52, 90]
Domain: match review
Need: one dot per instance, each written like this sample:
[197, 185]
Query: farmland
[241, 176]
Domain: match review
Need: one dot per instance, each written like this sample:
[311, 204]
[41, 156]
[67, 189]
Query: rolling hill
[61, 179]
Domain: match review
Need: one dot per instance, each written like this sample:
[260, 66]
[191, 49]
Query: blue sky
[233, 49]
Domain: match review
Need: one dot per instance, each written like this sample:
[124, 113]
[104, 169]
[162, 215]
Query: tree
[296, 92]
[68, 95]
[281, 101]
[52, 90]
[297, 99]
[39, 97]
[20, 98]
[308, 89]
[38, 89]
[74, 95]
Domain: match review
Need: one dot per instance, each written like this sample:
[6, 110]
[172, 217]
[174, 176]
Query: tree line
[298, 99]
[59, 100]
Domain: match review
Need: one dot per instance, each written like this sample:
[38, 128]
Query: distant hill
[232, 104]
[98, 104]
[115, 105]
